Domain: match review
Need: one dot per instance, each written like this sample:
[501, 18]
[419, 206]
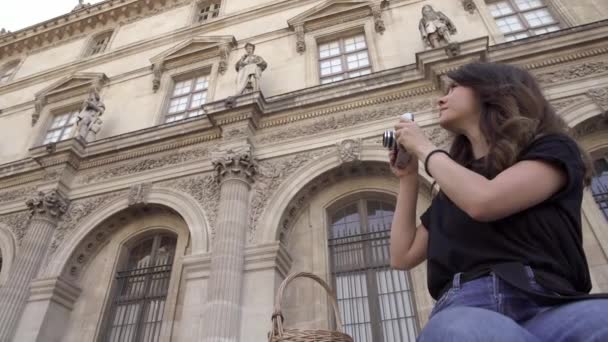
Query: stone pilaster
[235, 170]
[47, 209]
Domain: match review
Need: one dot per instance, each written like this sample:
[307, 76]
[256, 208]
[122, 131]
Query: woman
[503, 236]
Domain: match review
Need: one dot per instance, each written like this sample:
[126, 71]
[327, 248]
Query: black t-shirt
[547, 236]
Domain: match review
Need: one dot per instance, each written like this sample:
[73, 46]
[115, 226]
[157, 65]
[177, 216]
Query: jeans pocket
[444, 300]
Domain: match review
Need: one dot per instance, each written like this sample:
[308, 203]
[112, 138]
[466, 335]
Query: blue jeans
[488, 309]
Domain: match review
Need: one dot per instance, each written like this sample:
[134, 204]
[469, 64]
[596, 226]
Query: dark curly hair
[514, 112]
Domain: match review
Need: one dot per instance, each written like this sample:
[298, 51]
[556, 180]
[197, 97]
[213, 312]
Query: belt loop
[456, 280]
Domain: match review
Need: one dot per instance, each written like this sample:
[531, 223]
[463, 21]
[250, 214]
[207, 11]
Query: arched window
[140, 291]
[376, 302]
[98, 44]
[599, 184]
[7, 71]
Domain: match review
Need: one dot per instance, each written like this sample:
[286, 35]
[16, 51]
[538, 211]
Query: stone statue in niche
[249, 68]
[88, 122]
[435, 27]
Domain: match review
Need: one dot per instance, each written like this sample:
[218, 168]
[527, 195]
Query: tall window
[61, 128]
[99, 44]
[138, 302]
[343, 58]
[599, 184]
[208, 10]
[519, 19]
[375, 301]
[7, 71]
[187, 97]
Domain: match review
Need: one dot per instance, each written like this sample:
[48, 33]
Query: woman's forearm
[403, 227]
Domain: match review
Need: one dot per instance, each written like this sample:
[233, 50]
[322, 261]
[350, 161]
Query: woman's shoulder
[560, 143]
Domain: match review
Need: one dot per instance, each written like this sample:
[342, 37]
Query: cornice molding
[78, 22]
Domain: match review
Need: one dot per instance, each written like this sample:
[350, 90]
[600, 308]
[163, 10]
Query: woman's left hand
[412, 138]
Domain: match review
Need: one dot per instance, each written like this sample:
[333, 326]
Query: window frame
[373, 296]
[72, 110]
[123, 266]
[340, 38]
[520, 14]
[93, 42]
[201, 4]
[192, 75]
[11, 66]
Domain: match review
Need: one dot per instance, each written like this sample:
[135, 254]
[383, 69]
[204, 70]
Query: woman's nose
[441, 101]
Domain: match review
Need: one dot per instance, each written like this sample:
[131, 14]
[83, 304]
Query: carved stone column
[222, 314]
[46, 210]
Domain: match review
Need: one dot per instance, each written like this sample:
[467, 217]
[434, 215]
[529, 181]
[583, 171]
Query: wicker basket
[279, 334]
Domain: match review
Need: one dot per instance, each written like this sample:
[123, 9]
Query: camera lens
[388, 139]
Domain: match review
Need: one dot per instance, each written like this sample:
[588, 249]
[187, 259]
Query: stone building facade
[145, 197]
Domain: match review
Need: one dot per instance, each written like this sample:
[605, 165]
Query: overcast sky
[18, 14]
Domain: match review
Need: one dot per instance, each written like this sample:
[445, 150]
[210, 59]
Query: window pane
[198, 99]
[329, 49]
[509, 24]
[354, 43]
[500, 8]
[182, 87]
[538, 17]
[201, 83]
[375, 301]
[527, 4]
[138, 306]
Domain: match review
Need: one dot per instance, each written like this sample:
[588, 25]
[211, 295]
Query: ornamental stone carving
[469, 6]
[78, 211]
[378, 21]
[206, 191]
[18, 223]
[273, 173]
[563, 103]
[138, 194]
[347, 119]
[145, 164]
[234, 163]
[435, 27]
[89, 121]
[349, 150]
[590, 126]
[571, 72]
[300, 42]
[47, 205]
[157, 72]
[600, 97]
[15, 194]
[249, 68]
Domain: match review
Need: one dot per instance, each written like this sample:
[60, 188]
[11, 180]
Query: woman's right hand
[410, 169]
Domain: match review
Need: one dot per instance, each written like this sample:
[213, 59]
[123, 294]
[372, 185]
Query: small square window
[208, 10]
[99, 44]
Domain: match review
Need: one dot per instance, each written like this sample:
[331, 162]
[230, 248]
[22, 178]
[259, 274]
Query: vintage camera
[390, 142]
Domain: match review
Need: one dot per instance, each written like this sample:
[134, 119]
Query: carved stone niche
[334, 12]
[192, 51]
[76, 86]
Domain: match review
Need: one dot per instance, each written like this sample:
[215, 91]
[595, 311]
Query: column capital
[235, 163]
[50, 205]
